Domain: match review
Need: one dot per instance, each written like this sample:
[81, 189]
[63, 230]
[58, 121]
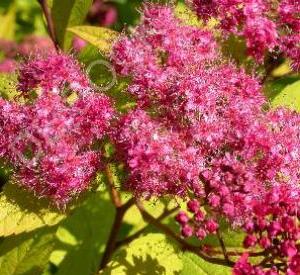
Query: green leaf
[27, 253]
[152, 253]
[7, 26]
[289, 97]
[193, 264]
[83, 236]
[102, 38]
[68, 13]
[21, 212]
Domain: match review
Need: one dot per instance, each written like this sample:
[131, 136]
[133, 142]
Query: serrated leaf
[83, 236]
[289, 97]
[27, 253]
[7, 26]
[193, 264]
[68, 13]
[102, 38]
[152, 253]
[21, 212]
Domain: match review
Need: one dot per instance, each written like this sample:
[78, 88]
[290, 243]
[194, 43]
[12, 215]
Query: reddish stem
[50, 23]
[118, 220]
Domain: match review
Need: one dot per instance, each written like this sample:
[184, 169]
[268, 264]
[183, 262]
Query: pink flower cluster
[159, 50]
[49, 140]
[53, 72]
[159, 159]
[265, 25]
[274, 228]
[199, 225]
[201, 130]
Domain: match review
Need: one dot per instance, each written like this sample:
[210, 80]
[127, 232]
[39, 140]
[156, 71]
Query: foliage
[68, 14]
[152, 252]
[20, 212]
[195, 265]
[101, 38]
[157, 139]
[288, 97]
[27, 253]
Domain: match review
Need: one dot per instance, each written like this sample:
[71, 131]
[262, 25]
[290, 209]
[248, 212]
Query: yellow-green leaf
[102, 38]
[27, 253]
[193, 264]
[152, 253]
[8, 85]
[187, 16]
[21, 212]
[82, 236]
[289, 97]
[7, 25]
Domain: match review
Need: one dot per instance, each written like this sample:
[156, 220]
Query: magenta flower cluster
[203, 130]
[266, 25]
[49, 140]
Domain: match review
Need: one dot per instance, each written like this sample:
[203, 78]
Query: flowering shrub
[265, 25]
[201, 135]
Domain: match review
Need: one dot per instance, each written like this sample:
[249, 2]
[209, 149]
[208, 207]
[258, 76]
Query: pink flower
[186, 231]
[49, 140]
[78, 44]
[265, 25]
[53, 71]
[193, 206]
[182, 218]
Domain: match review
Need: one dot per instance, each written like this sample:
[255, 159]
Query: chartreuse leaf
[151, 254]
[102, 38]
[193, 264]
[8, 86]
[27, 253]
[273, 88]
[186, 15]
[21, 212]
[283, 69]
[68, 13]
[7, 25]
[288, 97]
[83, 236]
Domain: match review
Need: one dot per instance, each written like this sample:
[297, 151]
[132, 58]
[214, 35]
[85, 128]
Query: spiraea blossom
[265, 25]
[159, 160]
[49, 140]
[205, 134]
[159, 49]
[52, 72]
[201, 130]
